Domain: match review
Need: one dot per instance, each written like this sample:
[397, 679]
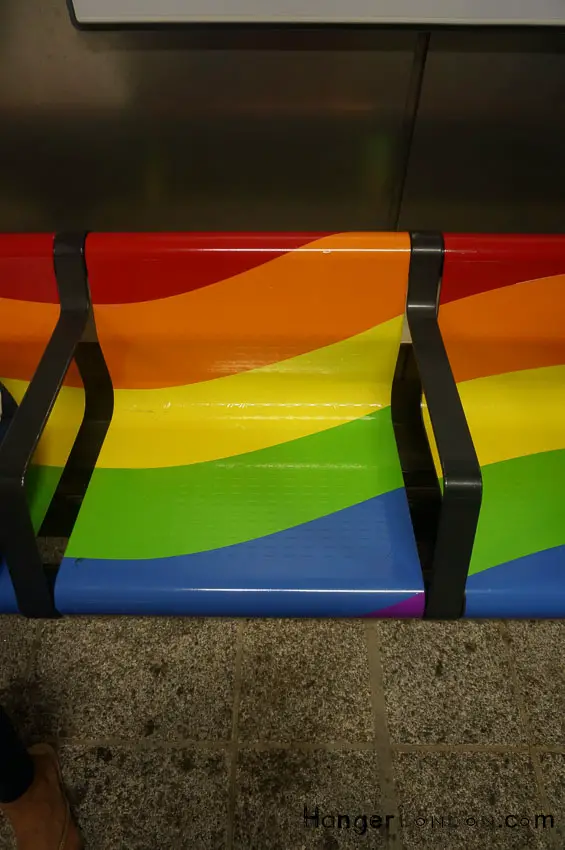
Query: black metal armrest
[462, 481]
[74, 336]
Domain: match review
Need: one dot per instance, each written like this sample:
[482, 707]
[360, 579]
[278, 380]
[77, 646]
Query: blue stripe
[7, 597]
[532, 586]
[351, 563]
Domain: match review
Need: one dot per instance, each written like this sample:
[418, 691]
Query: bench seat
[250, 466]
[282, 425]
[502, 317]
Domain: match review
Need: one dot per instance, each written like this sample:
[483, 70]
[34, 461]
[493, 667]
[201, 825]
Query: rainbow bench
[283, 425]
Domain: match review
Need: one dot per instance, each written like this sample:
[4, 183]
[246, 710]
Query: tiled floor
[217, 734]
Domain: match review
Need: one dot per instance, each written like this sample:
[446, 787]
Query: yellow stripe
[176, 426]
[514, 414]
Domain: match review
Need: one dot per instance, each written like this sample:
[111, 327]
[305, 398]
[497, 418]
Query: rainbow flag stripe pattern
[502, 316]
[250, 467]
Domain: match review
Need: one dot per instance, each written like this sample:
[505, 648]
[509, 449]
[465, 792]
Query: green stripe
[40, 484]
[146, 513]
[522, 509]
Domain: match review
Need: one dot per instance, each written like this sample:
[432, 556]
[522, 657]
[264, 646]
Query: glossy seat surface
[250, 466]
[502, 316]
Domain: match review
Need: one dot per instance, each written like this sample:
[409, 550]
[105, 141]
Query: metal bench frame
[444, 519]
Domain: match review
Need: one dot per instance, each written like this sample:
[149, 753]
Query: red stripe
[26, 267]
[125, 268]
[479, 263]
[128, 267]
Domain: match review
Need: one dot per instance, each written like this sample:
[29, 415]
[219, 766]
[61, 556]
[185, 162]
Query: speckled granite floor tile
[18, 642]
[475, 794]
[275, 786]
[154, 799]
[448, 683]
[135, 678]
[539, 648]
[305, 680]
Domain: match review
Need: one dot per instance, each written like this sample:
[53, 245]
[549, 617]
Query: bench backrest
[502, 317]
[285, 335]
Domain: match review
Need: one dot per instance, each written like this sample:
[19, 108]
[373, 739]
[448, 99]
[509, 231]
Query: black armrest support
[74, 336]
[462, 480]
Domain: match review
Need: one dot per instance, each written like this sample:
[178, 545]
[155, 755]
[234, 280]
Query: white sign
[423, 12]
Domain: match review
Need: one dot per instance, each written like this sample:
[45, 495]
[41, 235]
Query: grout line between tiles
[139, 745]
[555, 749]
[31, 665]
[29, 672]
[302, 746]
[210, 744]
[461, 748]
[382, 739]
[309, 746]
[524, 717]
[234, 742]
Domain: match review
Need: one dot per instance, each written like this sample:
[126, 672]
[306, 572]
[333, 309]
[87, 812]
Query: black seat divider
[75, 337]
[454, 516]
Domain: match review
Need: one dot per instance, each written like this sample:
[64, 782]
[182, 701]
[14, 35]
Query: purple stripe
[411, 607]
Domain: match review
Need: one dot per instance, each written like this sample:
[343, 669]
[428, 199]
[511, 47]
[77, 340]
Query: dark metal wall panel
[197, 129]
[488, 145]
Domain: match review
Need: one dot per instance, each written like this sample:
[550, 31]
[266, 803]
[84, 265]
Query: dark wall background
[235, 129]
[489, 140]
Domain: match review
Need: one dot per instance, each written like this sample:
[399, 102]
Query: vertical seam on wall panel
[411, 107]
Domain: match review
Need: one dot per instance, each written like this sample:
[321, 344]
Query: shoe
[41, 818]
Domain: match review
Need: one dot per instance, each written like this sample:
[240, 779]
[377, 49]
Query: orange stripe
[506, 330]
[26, 329]
[334, 288]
